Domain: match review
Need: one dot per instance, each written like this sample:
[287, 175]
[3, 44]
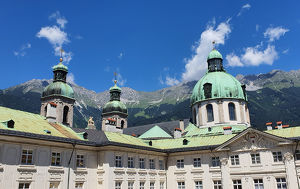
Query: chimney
[279, 124]
[227, 130]
[177, 133]
[269, 125]
[181, 125]
[51, 112]
[91, 124]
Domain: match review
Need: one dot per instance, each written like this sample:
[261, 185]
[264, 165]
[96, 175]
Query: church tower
[58, 98]
[114, 113]
[218, 98]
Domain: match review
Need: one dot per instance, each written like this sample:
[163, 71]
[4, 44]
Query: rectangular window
[215, 161]
[27, 157]
[118, 185]
[24, 185]
[118, 161]
[237, 184]
[142, 185]
[55, 159]
[80, 160]
[161, 185]
[277, 156]
[152, 185]
[281, 183]
[297, 154]
[142, 163]
[130, 162]
[198, 185]
[180, 164]
[258, 184]
[79, 185]
[54, 185]
[255, 158]
[197, 162]
[161, 164]
[130, 185]
[235, 160]
[181, 185]
[217, 184]
[151, 164]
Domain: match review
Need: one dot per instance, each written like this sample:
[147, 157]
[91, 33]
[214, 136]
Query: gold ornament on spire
[115, 81]
[214, 44]
[61, 53]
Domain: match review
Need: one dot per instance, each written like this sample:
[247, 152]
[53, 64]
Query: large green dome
[220, 85]
[58, 88]
[114, 107]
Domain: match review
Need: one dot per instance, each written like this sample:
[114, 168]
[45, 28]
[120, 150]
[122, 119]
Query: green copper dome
[214, 85]
[114, 107]
[60, 66]
[58, 88]
[214, 54]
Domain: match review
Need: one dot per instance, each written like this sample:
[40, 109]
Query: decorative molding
[224, 161]
[288, 157]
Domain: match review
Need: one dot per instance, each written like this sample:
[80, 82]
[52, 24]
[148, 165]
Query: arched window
[231, 109]
[122, 124]
[210, 113]
[45, 110]
[207, 90]
[65, 115]
[194, 116]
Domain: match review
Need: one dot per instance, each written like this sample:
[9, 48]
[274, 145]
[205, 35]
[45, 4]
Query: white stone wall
[221, 112]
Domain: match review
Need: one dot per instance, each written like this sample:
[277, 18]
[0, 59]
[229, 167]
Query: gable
[155, 132]
[252, 140]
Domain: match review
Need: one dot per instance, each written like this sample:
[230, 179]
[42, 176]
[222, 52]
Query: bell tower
[58, 97]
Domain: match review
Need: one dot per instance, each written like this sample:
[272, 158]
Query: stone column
[242, 112]
[226, 184]
[221, 111]
[291, 174]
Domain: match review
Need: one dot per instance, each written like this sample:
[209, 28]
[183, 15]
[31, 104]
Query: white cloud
[121, 55]
[22, 50]
[196, 66]
[57, 38]
[256, 27]
[171, 81]
[60, 20]
[275, 33]
[244, 7]
[285, 51]
[71, 78]
[234, 60]
[253, 56]
[54, 35]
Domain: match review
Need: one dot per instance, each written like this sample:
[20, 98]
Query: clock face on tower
[60, 76]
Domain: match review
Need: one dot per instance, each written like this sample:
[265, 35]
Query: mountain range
[273, 96]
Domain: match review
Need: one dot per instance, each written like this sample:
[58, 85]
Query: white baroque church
[218, 149]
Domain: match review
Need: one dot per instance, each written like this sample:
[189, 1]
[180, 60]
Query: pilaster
[291, 175]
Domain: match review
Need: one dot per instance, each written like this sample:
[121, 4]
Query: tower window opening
[207, 90]
[231, 109]
[194, 116]
[122, 124]
[45, 110]
[65, 114]
[210, 113]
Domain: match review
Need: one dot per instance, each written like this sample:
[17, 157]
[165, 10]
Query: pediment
[252, 140]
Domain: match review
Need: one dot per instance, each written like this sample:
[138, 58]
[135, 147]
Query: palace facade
[216, 149]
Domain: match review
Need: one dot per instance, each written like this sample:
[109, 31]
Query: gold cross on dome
[61, 53]
[115, 73]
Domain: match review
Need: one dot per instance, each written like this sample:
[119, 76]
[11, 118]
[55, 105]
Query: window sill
[131, 171]
[197, 170]
[256, 165]
[277, 163]
[214, 169]
[26, 168]
[235, 166]
[182, 171]
[55, 169]
[80, 170]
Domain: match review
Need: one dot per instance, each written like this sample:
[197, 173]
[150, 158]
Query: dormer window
[207, 90]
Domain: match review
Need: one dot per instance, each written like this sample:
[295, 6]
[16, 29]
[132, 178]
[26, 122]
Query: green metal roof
[125, 139]
[34, 123]
[58, 88]
[214, 54]
[60, 66]
[115, 87]
[290, 132]
[223, 85]
[155, 132]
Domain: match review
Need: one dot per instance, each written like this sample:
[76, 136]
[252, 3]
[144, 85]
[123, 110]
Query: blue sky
[151, 44]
